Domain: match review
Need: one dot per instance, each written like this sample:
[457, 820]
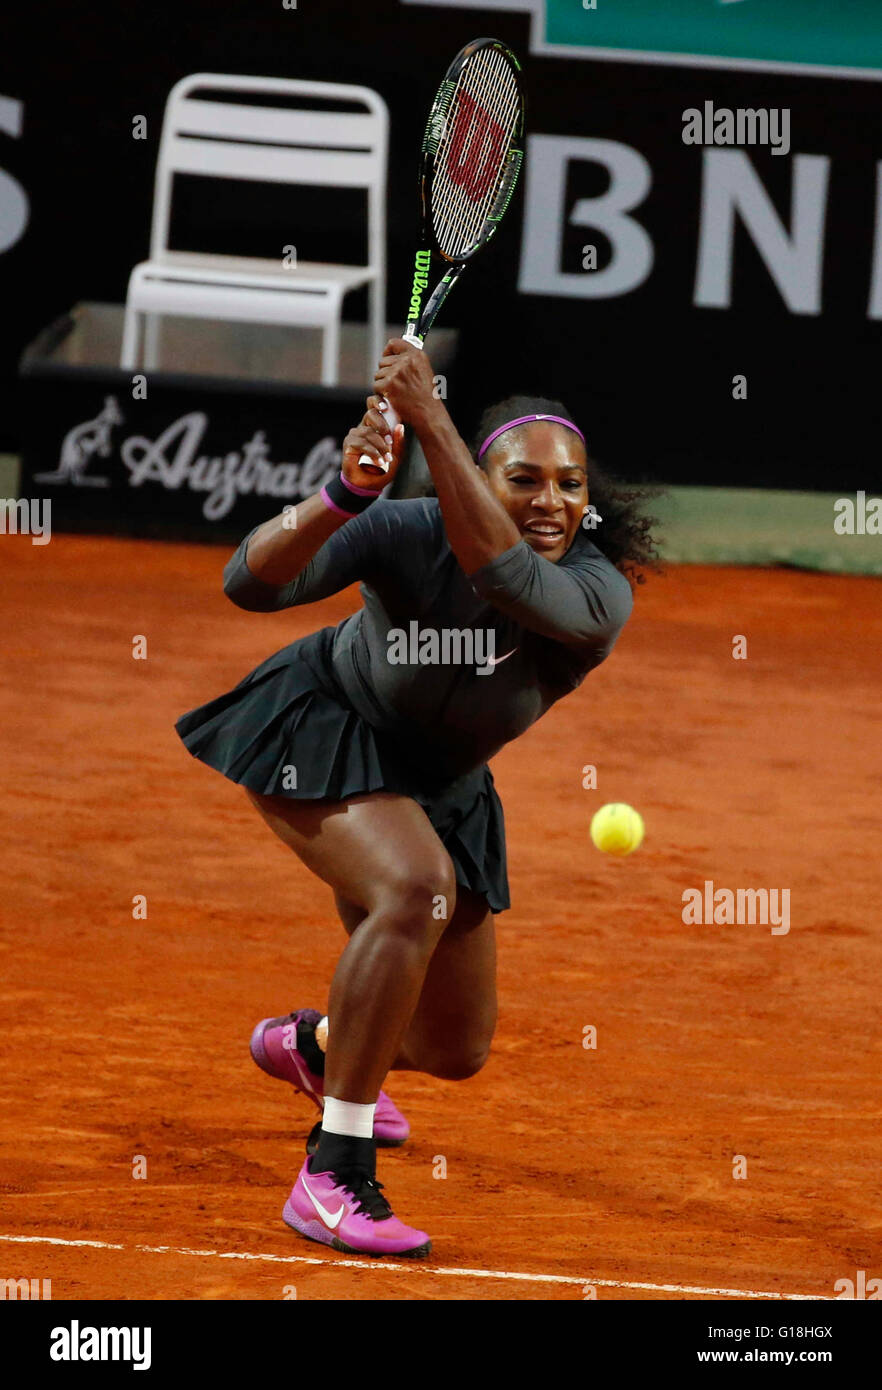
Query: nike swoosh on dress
[495, 660]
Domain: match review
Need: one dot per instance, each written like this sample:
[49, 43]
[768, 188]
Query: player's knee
[462, 1063]
[421, 898]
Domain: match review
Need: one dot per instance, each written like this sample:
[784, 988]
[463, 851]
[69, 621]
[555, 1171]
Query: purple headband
[525, 420]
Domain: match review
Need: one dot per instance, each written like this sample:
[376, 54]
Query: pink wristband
[359, 491]
[333, 505]
[347, 499]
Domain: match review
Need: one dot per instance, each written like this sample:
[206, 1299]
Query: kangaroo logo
[80, 444]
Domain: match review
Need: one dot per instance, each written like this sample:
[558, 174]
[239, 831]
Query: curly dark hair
[625, 536]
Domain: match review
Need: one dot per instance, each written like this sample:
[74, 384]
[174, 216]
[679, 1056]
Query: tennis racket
[471, 158]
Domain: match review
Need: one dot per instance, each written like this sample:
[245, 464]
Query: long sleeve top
[461, 663]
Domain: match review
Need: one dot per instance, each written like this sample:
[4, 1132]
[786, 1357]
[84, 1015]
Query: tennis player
[364, 747]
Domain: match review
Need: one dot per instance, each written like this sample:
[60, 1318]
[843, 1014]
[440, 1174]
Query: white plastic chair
[271, 144]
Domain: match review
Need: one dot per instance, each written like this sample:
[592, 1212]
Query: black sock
[338, 1152]
[306, 1043]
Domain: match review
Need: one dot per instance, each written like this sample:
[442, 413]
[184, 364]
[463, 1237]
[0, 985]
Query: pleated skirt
[287, 729]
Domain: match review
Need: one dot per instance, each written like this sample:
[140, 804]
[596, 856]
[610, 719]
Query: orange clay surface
[609, 1168]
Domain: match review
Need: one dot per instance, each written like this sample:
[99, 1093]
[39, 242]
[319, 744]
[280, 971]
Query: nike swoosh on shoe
[331, 1219]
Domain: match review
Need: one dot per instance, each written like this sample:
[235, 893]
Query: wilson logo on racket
[420, 282]
[475, 146]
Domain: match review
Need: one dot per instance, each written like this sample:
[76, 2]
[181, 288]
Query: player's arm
[583, 603]
[478, 526]
[311, 551]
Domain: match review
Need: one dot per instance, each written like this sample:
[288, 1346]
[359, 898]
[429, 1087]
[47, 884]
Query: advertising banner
[692, 263]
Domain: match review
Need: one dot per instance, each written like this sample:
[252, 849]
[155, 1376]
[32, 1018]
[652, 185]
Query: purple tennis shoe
[276, 1051]
[348, 1211]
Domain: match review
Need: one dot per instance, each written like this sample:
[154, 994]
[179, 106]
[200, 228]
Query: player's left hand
[371, 439]
[406, 378]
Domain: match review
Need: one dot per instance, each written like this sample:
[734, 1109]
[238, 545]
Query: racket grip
[372, 465]
[369, 464]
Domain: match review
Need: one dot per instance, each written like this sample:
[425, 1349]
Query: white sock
[345, 1117]
[321, 1033]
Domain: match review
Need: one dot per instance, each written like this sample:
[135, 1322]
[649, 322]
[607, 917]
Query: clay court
[568, 1170]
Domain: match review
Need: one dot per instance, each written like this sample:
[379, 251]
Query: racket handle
[366, 461]
[372, 465]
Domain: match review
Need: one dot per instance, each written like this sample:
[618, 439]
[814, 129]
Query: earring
[590, 517]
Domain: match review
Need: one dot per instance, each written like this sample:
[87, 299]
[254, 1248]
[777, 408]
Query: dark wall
[649, 372]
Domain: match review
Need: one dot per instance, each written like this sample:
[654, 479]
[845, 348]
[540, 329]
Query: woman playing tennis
[364, 747]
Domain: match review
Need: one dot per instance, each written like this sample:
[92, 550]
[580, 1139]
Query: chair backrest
[274, 144]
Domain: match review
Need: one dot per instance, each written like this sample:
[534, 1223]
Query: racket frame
[421, 321]
[421, 315]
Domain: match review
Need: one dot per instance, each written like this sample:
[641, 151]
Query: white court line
[56, 1240]
[417, 1267]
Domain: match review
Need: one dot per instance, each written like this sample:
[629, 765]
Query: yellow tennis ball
[617, 828]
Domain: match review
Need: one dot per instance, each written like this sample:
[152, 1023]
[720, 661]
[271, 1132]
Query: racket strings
[477, 138]
[473, 150]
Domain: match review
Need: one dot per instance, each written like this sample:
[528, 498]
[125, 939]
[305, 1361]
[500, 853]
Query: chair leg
[152, 328]
[331, 345]
[128, 358]
[376, 326]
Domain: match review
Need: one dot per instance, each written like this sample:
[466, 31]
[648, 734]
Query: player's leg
[452, 1027]
[380, 852]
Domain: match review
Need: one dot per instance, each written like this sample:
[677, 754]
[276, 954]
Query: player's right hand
[373, 438]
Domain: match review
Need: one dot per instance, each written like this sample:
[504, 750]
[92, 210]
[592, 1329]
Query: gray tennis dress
[419, 688]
